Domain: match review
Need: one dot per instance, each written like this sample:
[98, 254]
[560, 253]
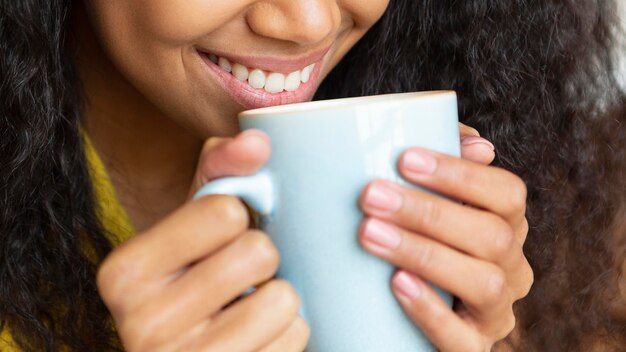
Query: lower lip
[252, 98]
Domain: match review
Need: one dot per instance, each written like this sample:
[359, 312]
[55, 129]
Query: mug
[306, 196]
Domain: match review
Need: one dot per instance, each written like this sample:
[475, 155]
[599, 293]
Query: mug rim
[342, 102]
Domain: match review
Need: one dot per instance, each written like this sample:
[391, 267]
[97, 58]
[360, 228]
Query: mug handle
[257, 190]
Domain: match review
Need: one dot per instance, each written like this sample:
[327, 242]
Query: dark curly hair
[48, 293]
[535, 77]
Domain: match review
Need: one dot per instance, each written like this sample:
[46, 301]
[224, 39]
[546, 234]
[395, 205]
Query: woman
[139, 83]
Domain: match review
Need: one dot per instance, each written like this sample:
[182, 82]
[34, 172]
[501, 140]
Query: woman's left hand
[472, 250]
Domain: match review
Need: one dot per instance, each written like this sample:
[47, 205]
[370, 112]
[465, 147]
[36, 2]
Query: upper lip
[272, 63]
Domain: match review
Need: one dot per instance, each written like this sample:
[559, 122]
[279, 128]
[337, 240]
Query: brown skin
[148, 94]
[154, 119]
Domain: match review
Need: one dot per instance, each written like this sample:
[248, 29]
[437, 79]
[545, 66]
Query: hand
[174, 287]
[472, 250]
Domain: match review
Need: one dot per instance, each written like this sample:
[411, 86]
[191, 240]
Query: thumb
[241, 155]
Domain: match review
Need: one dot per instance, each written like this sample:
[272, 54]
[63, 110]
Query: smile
[272, 82]
[262, 82]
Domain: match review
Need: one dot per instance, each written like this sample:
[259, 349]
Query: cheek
[177, 22]
[148, 41]
[172, 22]
[138, 42]
[157, 30]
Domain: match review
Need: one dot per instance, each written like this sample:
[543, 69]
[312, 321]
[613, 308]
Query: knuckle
[115, 278]
[525, 227]
[428, 214]
[135, 335]
[106, 279]
[262, 252]
[300, 332]
[504, 241]
[464, 175]
[517, 194]
[281, 294]
[505, 326]
[293, 339]
[495, 287]
[477, 343]
[229, 210]
[509, 325]
[529, 279]
[424, 256]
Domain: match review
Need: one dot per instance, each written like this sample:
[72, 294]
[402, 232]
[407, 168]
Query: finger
[242, 155]
[193, 231]
[477, 149]
[256, 320]
[250, 260]
[439, 323]
[473, 231]
[477, 232]
[491, 188]
[140, 338]
[294, 339]
[481, 285]
[491, 333]
[465, 131]
[207, 286]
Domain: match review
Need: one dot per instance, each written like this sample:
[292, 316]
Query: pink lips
[252, 98]
[274, 64]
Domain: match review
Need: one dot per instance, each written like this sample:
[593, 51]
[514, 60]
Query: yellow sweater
[110, 211]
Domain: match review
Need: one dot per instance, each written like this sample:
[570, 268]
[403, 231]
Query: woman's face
[200, 62]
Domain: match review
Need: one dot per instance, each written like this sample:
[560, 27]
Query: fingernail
[407, 285]
[469, 140]
[381, 234]
[419, 161]
[382, 197]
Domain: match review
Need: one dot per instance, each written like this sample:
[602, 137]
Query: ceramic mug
[323, 155]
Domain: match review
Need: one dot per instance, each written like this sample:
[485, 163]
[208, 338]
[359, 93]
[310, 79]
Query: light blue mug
[323, 154]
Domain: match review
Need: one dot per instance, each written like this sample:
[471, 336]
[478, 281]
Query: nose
[299, 21]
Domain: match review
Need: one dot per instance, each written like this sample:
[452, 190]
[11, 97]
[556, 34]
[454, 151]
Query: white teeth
[292, 82]
[224, 64]
[240, 71]
[275, 83]
[306, 73]
[257, 79]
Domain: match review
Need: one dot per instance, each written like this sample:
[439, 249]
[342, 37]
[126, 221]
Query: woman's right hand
[170, 288]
